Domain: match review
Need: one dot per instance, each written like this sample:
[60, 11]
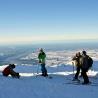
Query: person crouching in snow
[9, 71]
[41, 57]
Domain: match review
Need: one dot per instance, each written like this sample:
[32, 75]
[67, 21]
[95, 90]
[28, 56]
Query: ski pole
[37, 69]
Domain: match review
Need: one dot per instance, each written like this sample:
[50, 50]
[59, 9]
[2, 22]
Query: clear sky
[45, 20]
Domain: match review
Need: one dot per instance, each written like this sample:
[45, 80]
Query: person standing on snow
[41, 57]
[84, 67]
[76, 58]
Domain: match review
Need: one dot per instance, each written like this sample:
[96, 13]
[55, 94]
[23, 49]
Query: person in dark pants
[76, 58]
[9, 71]
[41, 57]
[84, 67]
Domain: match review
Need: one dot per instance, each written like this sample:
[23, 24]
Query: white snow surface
[60, 67]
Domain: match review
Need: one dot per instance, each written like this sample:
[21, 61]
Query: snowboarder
[9, 71]
[76, 58]
[84, 67]
[41, 57]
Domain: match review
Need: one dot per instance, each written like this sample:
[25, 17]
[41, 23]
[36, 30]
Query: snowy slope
[32, 86]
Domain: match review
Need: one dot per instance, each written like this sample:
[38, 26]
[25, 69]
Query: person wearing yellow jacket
[42, 57]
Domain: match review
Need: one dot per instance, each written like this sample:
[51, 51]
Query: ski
[80, 83]
[49, 77]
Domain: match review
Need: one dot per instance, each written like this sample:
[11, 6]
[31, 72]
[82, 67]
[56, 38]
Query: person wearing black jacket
[84, 67]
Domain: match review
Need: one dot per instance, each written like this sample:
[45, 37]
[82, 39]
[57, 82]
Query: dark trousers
[84, 74]
[77, 72]
[43, 69]
[14, 75]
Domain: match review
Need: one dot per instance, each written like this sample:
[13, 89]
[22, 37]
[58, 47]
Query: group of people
[82, 62]
[9, 70]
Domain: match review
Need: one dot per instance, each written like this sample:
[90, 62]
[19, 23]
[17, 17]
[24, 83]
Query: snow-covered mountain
[59, 66]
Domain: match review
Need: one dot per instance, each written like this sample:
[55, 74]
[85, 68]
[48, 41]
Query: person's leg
[45, 74]
[15, 75]
[43, 69]
[77, 73]
[85, 77]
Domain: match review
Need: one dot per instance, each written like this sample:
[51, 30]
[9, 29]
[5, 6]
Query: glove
[39, 61]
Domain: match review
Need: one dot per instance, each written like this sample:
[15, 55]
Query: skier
[76, 58]
[9, 71]
[41, 57]
[84, 67]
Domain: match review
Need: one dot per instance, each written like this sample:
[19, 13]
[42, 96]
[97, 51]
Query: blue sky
[38, 20]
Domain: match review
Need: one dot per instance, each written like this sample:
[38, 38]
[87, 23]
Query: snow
[60, 67]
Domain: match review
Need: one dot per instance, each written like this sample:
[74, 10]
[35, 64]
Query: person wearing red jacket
[9, 71]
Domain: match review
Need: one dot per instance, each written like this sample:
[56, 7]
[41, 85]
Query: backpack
[90, 62]
[86, 62]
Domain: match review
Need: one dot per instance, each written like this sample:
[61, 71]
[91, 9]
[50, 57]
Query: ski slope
[60, 67]
[32, 86]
